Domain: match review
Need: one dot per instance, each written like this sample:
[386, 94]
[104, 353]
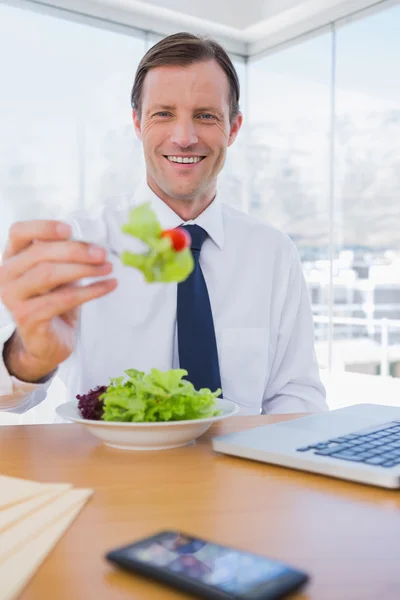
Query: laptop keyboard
[378, 446]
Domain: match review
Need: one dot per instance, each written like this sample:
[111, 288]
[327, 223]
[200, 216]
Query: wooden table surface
[345, 535]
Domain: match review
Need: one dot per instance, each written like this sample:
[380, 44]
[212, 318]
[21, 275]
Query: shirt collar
[210, 219]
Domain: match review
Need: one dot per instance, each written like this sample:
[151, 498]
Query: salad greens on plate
[168, 258]
[152, 397]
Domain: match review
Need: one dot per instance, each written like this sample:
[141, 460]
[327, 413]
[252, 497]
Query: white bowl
[146, 436]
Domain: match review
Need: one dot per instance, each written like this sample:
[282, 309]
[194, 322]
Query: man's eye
[162, 114]
[207, 117]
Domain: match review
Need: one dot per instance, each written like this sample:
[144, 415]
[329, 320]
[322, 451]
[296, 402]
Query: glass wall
[338, 87]
[367, 193]
[67, 138]
[289, 100]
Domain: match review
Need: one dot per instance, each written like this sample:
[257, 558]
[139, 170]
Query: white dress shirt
[262, 315]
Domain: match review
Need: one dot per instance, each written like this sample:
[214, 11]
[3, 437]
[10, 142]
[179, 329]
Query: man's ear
[235, 128]
[136, 123]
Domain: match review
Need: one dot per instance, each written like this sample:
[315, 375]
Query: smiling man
[186, 119]
[241, 321]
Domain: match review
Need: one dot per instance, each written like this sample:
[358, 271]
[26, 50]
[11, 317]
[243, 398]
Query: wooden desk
[347, 536]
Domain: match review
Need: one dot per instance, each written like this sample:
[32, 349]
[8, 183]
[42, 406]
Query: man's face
[185, 129]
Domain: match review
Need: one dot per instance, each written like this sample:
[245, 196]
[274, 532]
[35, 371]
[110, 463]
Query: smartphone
[206, 569]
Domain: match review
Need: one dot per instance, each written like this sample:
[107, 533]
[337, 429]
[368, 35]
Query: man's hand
[39, 286]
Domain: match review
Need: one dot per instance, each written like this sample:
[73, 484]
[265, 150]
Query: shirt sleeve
[15, 395]
[294, 384]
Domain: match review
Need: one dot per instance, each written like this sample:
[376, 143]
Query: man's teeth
[186, 159]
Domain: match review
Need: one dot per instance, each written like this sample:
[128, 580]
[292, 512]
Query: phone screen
[230, 570]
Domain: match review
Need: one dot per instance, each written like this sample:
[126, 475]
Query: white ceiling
[246, 18]
[245, 26]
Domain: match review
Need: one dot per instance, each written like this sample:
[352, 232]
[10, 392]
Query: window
[67, 138]
[367, 183]
[288, 153]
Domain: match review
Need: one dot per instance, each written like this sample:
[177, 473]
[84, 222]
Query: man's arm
[294, 384]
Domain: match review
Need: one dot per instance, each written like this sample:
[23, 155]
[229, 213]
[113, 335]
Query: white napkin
[33, 517]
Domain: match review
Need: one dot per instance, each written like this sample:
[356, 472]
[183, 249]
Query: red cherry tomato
[179, 237]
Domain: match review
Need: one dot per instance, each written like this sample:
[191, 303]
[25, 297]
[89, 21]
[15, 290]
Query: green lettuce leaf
[157, 396]
[161, 263]
[143, 223]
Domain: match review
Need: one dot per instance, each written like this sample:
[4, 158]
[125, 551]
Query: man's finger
[46, 277]
[44, 308]
[23, 233]
[63, 252]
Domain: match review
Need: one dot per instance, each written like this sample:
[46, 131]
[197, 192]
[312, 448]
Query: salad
[168, 258]
[156, 396]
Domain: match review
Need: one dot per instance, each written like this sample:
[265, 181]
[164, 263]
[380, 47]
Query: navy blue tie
[197, 345]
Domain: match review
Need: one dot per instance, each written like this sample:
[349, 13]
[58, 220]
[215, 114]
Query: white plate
[146, 436]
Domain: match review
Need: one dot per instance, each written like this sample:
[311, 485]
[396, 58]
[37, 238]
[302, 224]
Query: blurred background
[318, 156]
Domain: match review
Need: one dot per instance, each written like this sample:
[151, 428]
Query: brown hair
[184, 49]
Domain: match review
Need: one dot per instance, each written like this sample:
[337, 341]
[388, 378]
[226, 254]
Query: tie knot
[198, 235]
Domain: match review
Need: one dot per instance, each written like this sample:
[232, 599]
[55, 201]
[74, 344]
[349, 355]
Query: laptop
[360, 443]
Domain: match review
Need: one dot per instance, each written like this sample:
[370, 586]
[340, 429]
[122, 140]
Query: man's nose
[184, 133]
